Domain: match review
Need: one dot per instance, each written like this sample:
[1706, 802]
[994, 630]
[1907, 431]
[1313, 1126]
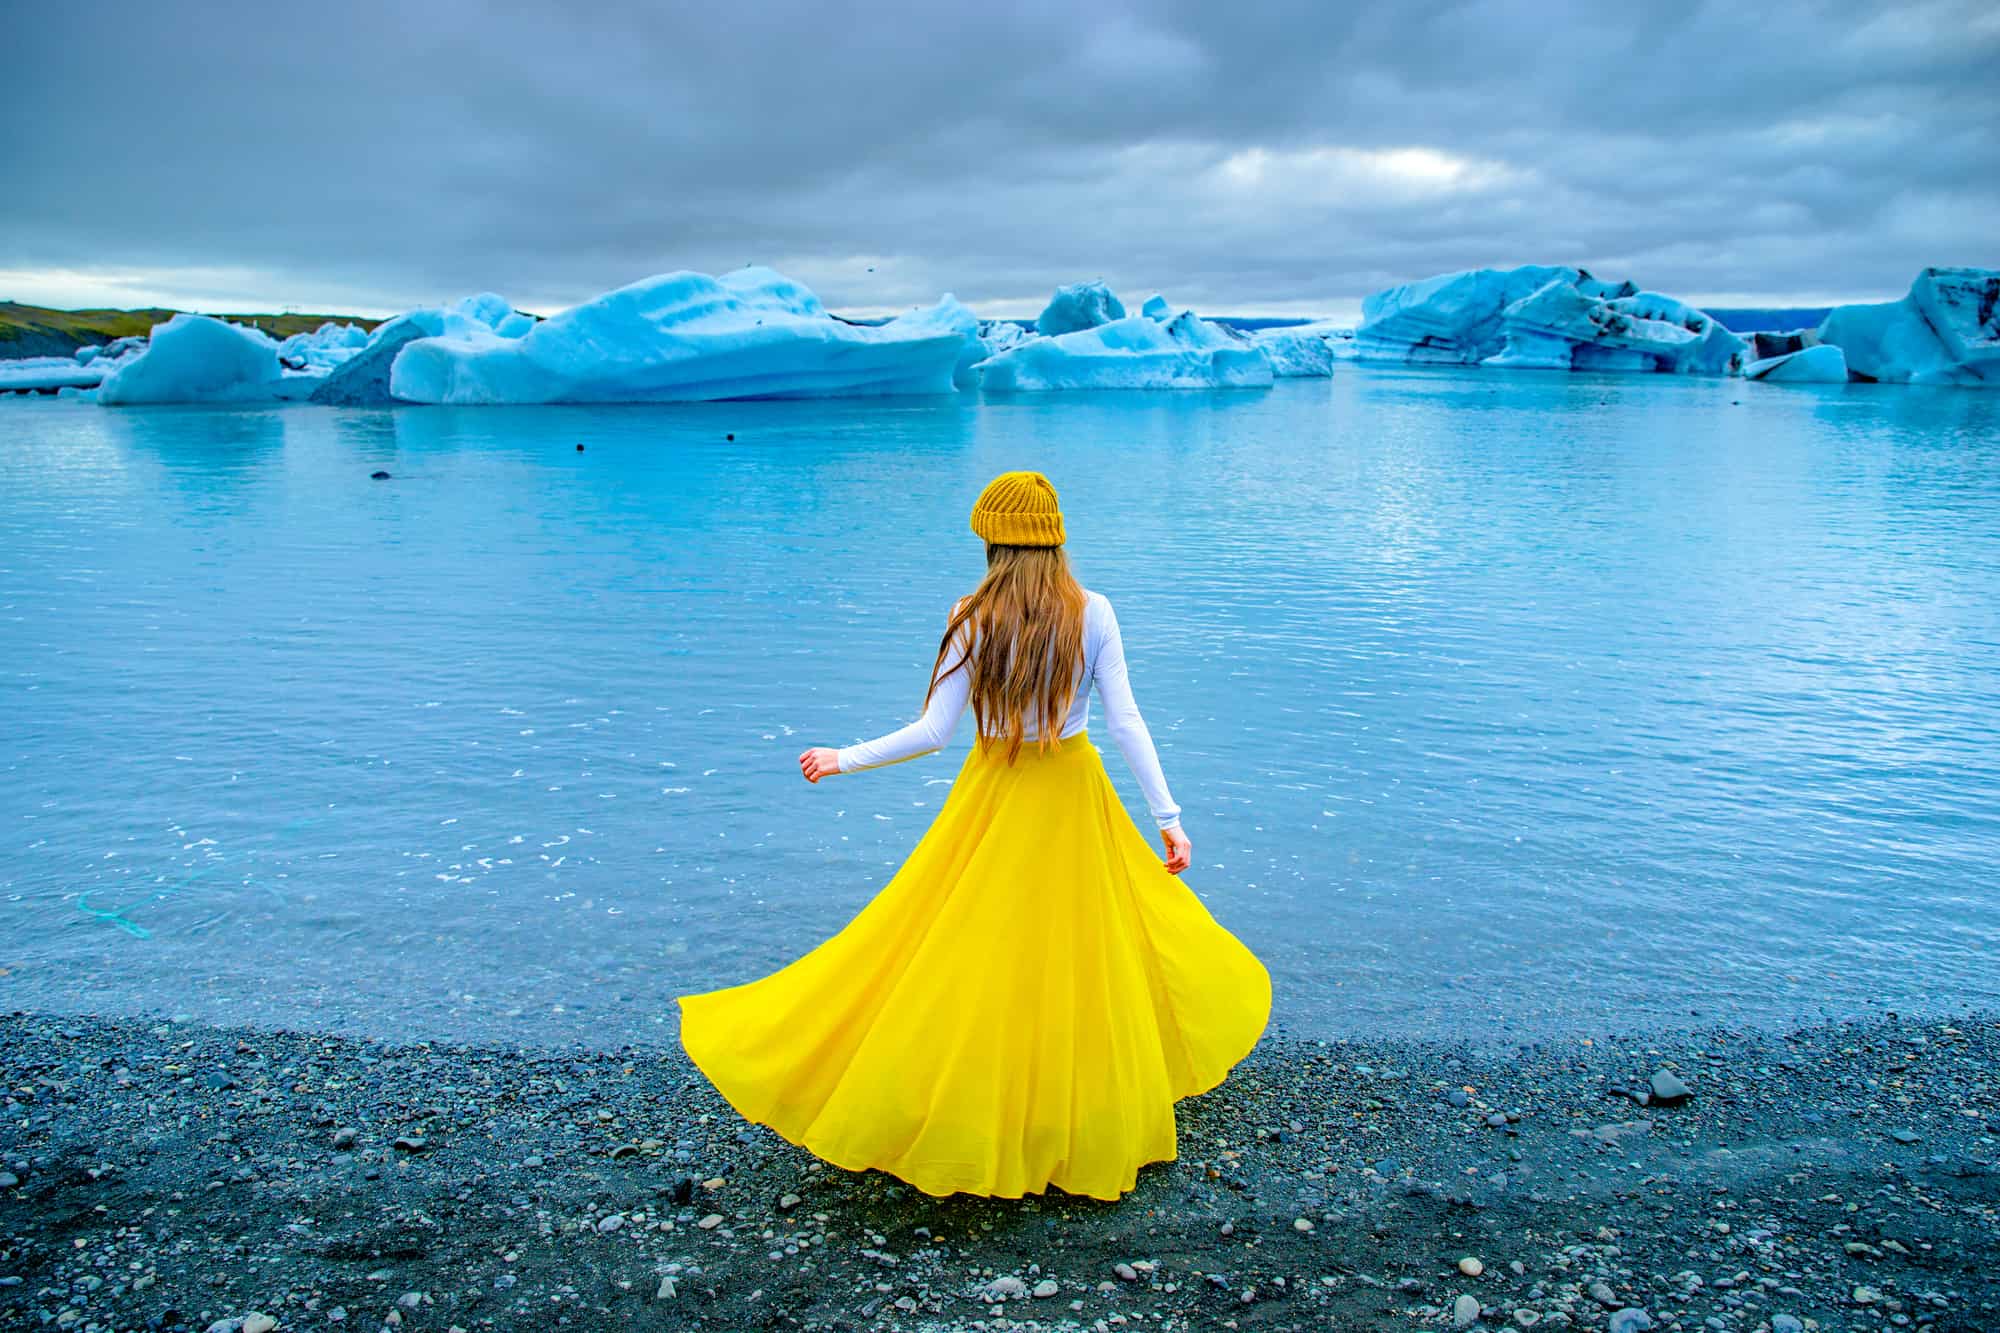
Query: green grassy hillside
[32, 330]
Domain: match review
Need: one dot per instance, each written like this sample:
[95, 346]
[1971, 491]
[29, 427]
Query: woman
[1024, 1002]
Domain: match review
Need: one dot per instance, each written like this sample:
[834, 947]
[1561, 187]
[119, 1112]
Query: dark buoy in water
[731, 437]
[378, 476]
[579, 448]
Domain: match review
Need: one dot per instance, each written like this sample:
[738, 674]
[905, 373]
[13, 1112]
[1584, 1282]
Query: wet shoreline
[163, 1175]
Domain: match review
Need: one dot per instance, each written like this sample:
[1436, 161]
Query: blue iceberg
[1945, 331]
[197, 359]
[1541, 317]
[1157, 350]
[687, 337]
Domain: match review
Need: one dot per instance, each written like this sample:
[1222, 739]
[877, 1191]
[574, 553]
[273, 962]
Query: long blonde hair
[1022, 629]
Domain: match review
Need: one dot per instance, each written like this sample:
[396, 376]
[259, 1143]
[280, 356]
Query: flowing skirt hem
[928, 1184]
[925, 1181]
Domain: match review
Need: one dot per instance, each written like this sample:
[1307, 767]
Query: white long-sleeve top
[1103, 666]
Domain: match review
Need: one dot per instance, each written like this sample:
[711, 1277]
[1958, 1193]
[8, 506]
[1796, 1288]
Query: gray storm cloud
[1245, 158]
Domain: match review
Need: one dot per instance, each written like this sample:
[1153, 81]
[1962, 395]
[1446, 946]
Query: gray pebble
[1005, 1289]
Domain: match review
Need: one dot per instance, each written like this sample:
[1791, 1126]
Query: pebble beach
[158, 1174]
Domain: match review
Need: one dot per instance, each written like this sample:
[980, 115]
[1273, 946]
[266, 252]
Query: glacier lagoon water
[1500, 705]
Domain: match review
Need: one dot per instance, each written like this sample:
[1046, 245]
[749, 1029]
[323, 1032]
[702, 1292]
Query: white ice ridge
[1104, 348]
[1545, 318]
[686, 337]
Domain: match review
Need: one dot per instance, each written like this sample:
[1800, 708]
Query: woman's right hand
[1180, 852]
[819, 762]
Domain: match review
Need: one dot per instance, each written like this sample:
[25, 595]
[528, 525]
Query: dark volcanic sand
[161, 1175]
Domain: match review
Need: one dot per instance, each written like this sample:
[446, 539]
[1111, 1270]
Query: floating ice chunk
[685, 337]
[46, 374]
[1824, 364]
[1564, 325]
[1298, 351]
[196, 359]
[997, 335]
[1451, 319]
[1135, 352]
[88, 353]
[322, 349]
[1945, 331]
[1156, 307]
[1542, 317]
[1081, 305]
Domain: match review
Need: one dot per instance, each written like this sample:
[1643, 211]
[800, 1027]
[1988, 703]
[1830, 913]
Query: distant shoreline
[32, 330]
[1841, 1173]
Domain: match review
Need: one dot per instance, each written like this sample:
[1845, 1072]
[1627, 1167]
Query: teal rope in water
[116, 915]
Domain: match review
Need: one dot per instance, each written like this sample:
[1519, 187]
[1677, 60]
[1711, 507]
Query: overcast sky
[1240, 156]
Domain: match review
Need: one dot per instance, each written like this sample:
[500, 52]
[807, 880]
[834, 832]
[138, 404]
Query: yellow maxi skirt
[1020, 1007]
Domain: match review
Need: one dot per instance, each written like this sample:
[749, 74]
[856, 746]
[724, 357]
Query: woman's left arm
[1135, 742]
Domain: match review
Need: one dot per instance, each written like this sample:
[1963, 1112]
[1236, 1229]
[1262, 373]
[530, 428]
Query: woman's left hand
[819, 762]
[1180, 851]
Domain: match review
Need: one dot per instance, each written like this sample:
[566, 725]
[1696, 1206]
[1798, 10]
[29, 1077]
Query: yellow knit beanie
[1018, 509]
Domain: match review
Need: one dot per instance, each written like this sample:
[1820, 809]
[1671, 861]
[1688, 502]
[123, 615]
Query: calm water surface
[1500, 706]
